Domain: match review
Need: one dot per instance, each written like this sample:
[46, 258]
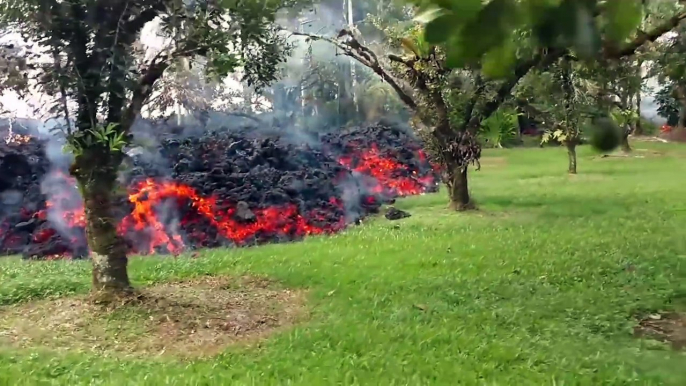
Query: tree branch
[543, 59]
[143, 89]
[647, 37]
[135, 25]
[546, 58]
[354, 49]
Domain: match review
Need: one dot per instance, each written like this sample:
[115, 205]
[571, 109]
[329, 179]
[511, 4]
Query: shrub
[500, 129]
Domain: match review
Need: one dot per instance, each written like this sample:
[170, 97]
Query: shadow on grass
[568, 206]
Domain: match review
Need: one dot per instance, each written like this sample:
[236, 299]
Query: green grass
[538, 288]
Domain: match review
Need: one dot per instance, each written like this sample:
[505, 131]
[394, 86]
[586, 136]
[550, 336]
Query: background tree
[92, 44]
[670, 67]
[563, 96]
[459, 68]
[667, 105]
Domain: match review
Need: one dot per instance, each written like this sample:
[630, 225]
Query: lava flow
[149, 194]
[389, 176]
[221, 188]
[17, 138]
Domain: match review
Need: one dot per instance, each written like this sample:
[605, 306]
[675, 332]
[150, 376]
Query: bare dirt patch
[184, 319]
[669, 328]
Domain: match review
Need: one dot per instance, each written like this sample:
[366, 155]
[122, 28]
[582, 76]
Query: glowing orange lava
[63, 201]
[387, 172]
[17, 138]
[198, 215]
[149, 194]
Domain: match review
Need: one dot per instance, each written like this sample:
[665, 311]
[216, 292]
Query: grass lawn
[540, 287]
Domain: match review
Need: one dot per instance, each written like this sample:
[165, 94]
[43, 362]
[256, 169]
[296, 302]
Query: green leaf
[453, 56]
[463, 9]
[587, 38]
[498, 62]
[439, 29]
[429, 14]
[489, 29]
[623, 17]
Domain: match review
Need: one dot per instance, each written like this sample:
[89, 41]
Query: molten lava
[149, 194]
[64, 201]
[165, 216]
[13, 138]
[391, 176]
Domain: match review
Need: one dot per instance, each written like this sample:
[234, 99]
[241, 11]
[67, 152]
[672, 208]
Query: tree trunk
[682, 117]
[624, 144]
[681, 98]
[97, 182]
[458, 190]
[571, 153]
[638, 127]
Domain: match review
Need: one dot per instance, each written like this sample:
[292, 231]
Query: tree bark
[458, 190]
[97, 182]
[571, 153]
[638, 127]
[682, 117]
[624, 144]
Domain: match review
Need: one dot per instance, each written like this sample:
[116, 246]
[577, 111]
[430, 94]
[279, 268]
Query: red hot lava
[149, 194]
[390, 175]
[153, 232]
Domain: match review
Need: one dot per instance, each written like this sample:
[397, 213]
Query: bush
[649, 127]
[500, 129]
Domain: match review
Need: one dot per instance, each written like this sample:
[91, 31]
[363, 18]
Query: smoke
[312, 97]
[648, 105]
[64, 211]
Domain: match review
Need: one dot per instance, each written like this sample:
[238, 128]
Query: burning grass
[186, 319]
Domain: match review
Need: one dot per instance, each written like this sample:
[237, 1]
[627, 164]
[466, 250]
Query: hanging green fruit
[605, 135]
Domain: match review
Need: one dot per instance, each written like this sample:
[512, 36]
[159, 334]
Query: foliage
[649, 127]
[567, 101]
[551, 136]
[670, 68]
[476, 31]
[624, 117]
[501, 128]
[667, 105]
[98, 59]
[106, 136]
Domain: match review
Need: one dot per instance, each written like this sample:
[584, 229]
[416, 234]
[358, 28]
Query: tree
[671, 70]
[15, 66]
[465, 62]
[667, 106]
[92, 45]
[565, 97]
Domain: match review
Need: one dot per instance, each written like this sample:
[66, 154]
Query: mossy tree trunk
[682, 117]
[96, 173]
[571, 154]
[624, 145]
[570, 120]
[638, 126]
[458, 189]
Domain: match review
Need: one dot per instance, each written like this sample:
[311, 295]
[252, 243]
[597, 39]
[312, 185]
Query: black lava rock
[396, 214]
